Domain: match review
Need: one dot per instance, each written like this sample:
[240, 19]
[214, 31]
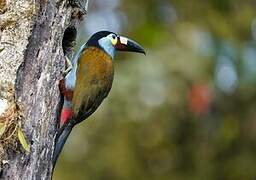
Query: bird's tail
[61, 139]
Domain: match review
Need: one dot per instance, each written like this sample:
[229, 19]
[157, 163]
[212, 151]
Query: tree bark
[31, 63]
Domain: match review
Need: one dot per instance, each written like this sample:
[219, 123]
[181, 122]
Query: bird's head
[111, 42]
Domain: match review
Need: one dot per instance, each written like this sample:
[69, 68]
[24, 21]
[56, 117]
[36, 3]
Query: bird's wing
[94, 81]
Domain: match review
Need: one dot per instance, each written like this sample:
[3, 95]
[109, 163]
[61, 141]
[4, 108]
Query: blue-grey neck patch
[70, 79]
[107, 46]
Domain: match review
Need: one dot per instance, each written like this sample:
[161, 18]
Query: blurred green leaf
[2, 128]
[22, 140]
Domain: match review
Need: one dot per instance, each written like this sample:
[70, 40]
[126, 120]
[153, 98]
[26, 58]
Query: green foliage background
[187, 110]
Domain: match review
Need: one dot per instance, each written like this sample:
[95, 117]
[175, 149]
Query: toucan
[89, 81]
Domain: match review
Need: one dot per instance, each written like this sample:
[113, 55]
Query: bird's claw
[68, 66]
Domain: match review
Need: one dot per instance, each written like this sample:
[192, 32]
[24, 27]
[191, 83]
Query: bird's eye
[114, 39]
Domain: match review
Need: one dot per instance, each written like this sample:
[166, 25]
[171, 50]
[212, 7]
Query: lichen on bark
[16, 22]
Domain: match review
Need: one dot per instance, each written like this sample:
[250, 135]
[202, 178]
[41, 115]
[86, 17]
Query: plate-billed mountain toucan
[89, 81]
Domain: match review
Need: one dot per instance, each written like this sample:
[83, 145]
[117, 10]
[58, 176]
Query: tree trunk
[31, 63]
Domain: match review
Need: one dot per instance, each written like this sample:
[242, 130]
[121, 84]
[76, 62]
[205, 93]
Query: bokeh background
[187, 110]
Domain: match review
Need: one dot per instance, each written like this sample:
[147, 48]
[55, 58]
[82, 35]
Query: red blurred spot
[66, 114]
[199, 97]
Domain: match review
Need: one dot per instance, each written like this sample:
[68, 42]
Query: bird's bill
[126, 44]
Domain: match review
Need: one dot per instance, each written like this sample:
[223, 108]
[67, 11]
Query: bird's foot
[68, 66]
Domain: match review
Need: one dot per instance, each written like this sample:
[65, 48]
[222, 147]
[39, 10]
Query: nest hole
[69, 41]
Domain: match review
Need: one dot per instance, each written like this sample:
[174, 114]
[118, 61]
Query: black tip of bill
[135, 47]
